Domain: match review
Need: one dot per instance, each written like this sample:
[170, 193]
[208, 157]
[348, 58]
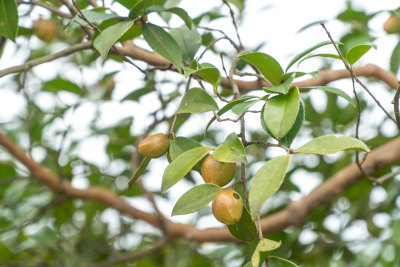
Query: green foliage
[246, 229]
[182, 165]
[196, 100]
[356, 52]
[280, 113]
[8, 19]
[139, 171]
[195, 199]
[109, 36]
[266, 182]
[231, 150]
[266, 65]
[329, 144]
[263, 246]
[163, 43]
[41, 227]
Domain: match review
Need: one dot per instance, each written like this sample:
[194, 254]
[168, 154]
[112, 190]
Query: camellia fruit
[216, 172]
[154, 146]
[227, 206]
[45, 29]
[392, 24]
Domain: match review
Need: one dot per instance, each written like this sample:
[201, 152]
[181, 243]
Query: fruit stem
[260, 234]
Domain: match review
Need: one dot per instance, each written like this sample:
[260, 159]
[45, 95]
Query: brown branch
[32, 63]
[46, 6]
[324, 77]
[294, 214]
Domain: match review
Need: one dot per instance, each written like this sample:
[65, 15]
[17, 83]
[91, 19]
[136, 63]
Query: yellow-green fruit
[45, 29]
[227, 206]
[216, 172]
[392, 24]
[154, 146]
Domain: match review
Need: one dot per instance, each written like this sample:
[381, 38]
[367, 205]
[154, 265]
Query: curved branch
[32, 63]
[294, 214]
[46, 6]
[325, 76]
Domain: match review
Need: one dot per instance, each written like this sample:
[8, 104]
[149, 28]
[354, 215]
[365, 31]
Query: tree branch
[324, 77]
[294, 214]
[32, 63]
[46, 6]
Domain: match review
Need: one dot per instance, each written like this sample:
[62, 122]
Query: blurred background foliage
[41, 228]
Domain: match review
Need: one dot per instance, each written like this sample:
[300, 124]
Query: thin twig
[219, 119]
[32, 63]
[387, 177]
[396, 105]
[268, 144]
[46, 6]
[260, 233]
[234, 22]
[349, 68]
[224, 34]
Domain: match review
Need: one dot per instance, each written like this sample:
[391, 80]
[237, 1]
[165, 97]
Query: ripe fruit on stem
[392, 24]
[216, 172]
[45, 29]
[154, 146]
[227, 206]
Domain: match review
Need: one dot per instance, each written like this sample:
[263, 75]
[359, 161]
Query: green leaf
[175, 10]
[9, 19]
[196, 100]
[274, 261]
[137, 9]
[329, 144]
[181, 144]
[46, 237]
[263, 246]
[93, 16]
[282, 88]
[319, 55]
[58, 84]
[188, 40]
[228, 107]
[163, 44]
[241, 108]
[395, 59]
[7, 171]
[15, 191]
[231, 150]
[281, 111]
[137, 94]
[245, 230]
[142, 168]
[266, 65]
[238, 3]
[332, 90]
[266, 182]
[291, 135]
[356, 52]
[209, 73]
[195, 199]
[178, 168]
[263, 125]
[307, 51]
[109, 36]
